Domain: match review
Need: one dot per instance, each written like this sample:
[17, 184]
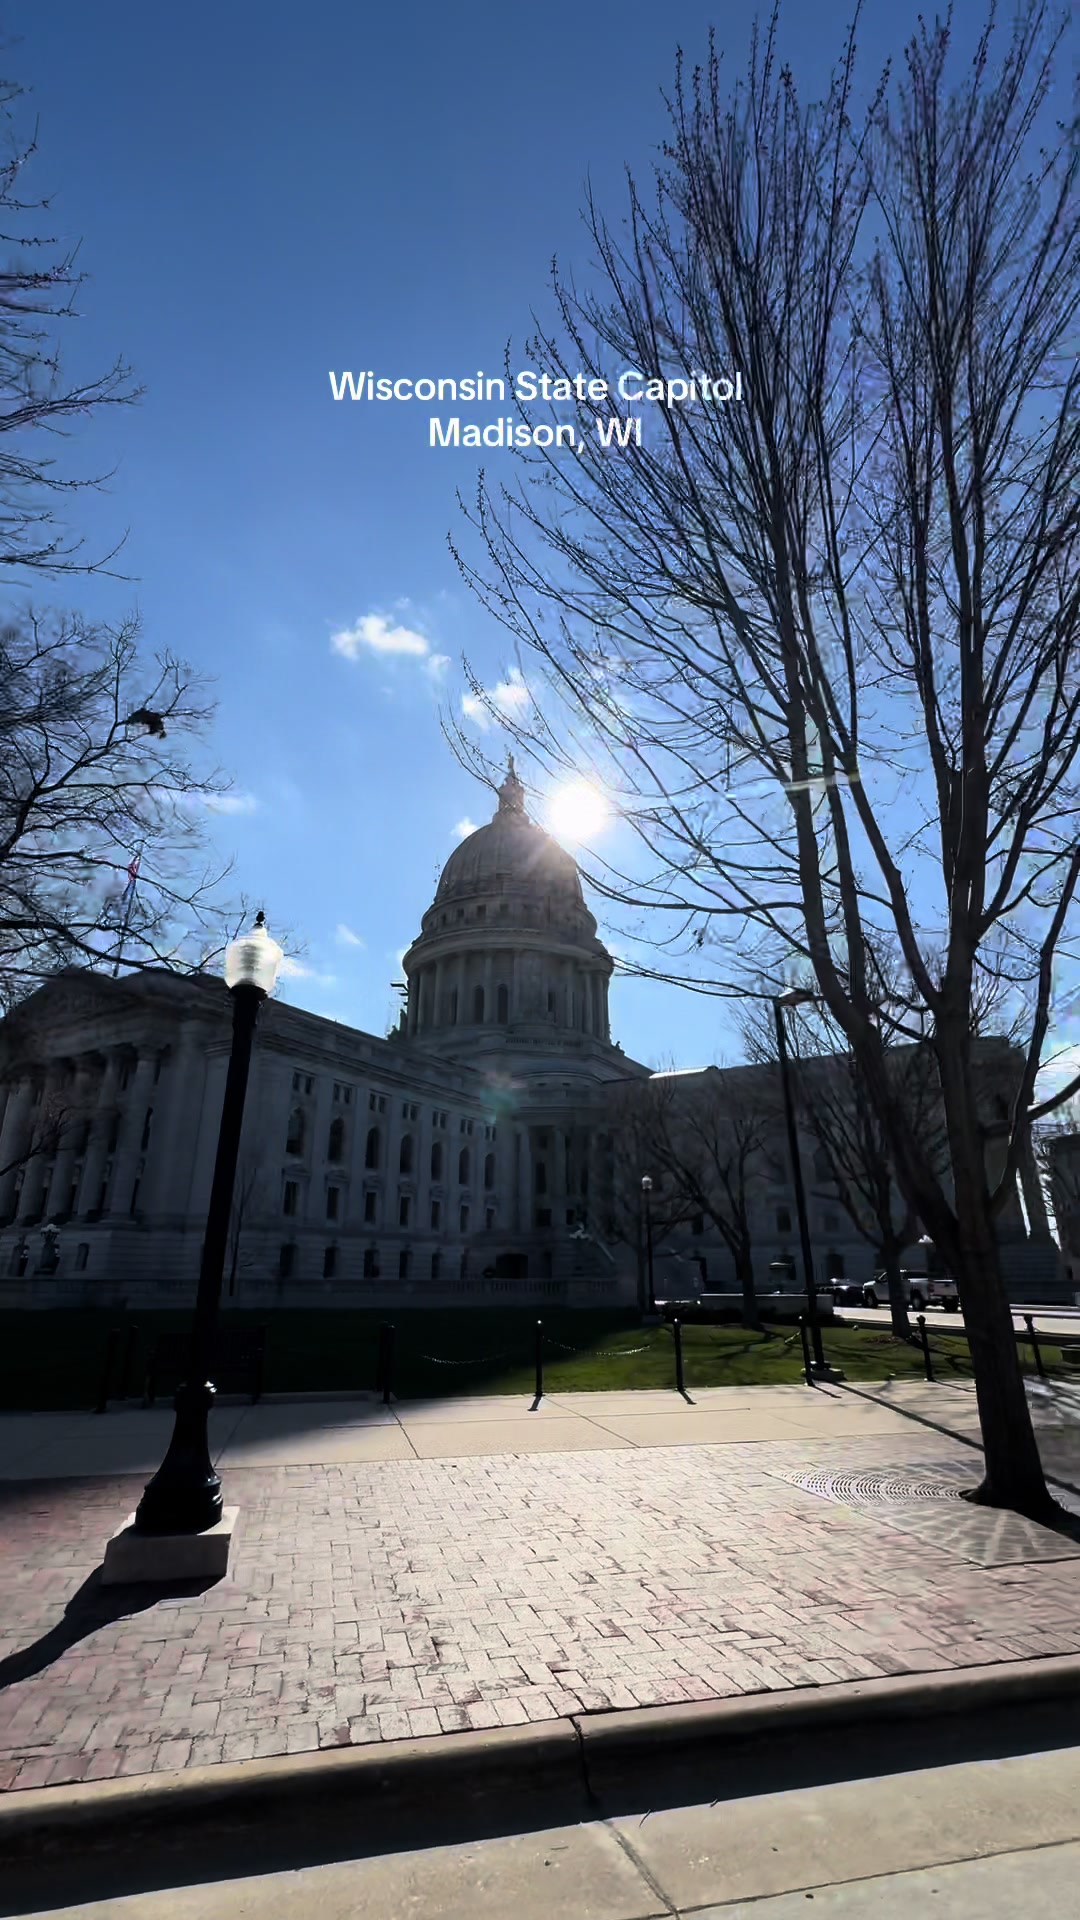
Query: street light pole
[780, 1001]
[646, 1194]
[184, 1497]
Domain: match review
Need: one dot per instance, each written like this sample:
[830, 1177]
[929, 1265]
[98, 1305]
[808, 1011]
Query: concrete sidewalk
[978, 1840]
[301, 1432]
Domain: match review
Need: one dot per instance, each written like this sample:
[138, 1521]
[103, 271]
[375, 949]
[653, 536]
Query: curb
[475, 1771]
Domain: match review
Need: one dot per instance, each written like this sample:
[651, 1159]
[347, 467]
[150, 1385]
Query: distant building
[468, 1157]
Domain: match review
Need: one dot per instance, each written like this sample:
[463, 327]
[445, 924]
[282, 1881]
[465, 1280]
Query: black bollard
[928, 1364]
[107, 1370]
[804, 1334]
[1029, 1322]
[680, 1383]
[539, 1360]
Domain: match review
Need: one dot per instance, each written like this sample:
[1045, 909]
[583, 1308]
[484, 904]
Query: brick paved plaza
[380, 1599]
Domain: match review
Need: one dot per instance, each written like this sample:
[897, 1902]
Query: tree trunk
[1014, 1473]
[744, 1273]
[890, 1260]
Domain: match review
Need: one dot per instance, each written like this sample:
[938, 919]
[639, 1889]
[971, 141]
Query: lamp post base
[132, 1557]
[184, 1496]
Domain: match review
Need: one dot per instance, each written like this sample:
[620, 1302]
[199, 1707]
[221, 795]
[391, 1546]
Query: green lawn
[54, 1360]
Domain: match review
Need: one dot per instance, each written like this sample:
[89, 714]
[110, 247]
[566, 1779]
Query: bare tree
[639, 1115]
[835, 1108]
[823, 642]
[38, 287]
[713, 1135]
[103, 810]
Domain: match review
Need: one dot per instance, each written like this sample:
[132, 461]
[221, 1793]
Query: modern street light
[184, 1497]
[646, 1195]
[798, 997]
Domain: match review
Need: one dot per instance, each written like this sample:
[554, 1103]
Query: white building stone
[466, 1158]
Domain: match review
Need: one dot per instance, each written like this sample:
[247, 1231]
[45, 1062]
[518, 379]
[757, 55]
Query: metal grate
[858, 1490]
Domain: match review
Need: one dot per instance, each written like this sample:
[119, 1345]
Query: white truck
[919, 1292]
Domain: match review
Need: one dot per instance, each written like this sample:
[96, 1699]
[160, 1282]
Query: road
[1063, 1320]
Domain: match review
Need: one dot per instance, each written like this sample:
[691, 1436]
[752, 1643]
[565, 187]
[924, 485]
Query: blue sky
[265, 192]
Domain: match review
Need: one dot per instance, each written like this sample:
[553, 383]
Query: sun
[577, 812]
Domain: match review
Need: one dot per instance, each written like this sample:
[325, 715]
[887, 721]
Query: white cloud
[437, 664]
[373, 633]
[510, 697]
[292, 969]
[230, 802]
[345, 936]
[464, 828]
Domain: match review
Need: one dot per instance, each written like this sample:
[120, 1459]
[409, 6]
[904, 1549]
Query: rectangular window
[371, 1263]
[489, 1218]
[333, 1196]
[329, 1262]
[697, 1224]
[436, 1213]
[543, 1216]
[377, 1102]
[82, 1255]
[541, 1177]
[289, 1197]
[346, 1095]
[403, 1206]
[463, 1220]
[403, 1262]
[369, 1206]
[286, 1262]
[783, 1220]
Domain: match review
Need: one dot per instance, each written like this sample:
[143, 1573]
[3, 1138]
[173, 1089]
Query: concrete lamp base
[143, 1557]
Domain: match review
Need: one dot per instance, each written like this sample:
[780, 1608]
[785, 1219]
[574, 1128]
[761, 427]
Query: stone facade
[468, 1157]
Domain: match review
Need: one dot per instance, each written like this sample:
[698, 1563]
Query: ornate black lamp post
[797, 997]
[185, 1494]
[646, 1196]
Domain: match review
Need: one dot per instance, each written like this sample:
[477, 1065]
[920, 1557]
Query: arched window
[463, 1167]
[371, 1151]
[436, 1160]
[295, 1140]
[478, 1006]
[502, 1003]
[335, 1146]
[405, 1157]
[489, 1170]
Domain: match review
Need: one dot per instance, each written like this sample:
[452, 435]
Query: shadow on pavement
[172, 1852]
[89, 1609]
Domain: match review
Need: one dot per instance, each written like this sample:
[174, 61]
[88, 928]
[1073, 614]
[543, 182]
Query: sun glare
[577, 812]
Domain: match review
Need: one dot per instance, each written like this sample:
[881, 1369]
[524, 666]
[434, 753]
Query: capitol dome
[508, 941]
[511, 851]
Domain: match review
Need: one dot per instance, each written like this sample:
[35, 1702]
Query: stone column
[172, 1135]
[525, 1182]
[14, 1138]
[489, 988]
[558, 1180]
[464, 1011]
[1034, 1198]
[97, 1151]
[129, 1149]
[32, 1193]
[69, 1147]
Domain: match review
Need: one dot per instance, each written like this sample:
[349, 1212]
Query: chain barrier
[604, 1353]
[474, 1360]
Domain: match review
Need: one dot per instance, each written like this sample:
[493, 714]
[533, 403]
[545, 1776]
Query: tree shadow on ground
[89, 1609]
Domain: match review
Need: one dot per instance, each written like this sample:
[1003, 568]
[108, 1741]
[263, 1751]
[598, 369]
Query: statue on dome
[511, 793]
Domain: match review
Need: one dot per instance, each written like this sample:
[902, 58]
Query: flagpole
[133, 880]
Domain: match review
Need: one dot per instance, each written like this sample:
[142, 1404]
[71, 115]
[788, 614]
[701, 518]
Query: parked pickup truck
[919, 1292]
